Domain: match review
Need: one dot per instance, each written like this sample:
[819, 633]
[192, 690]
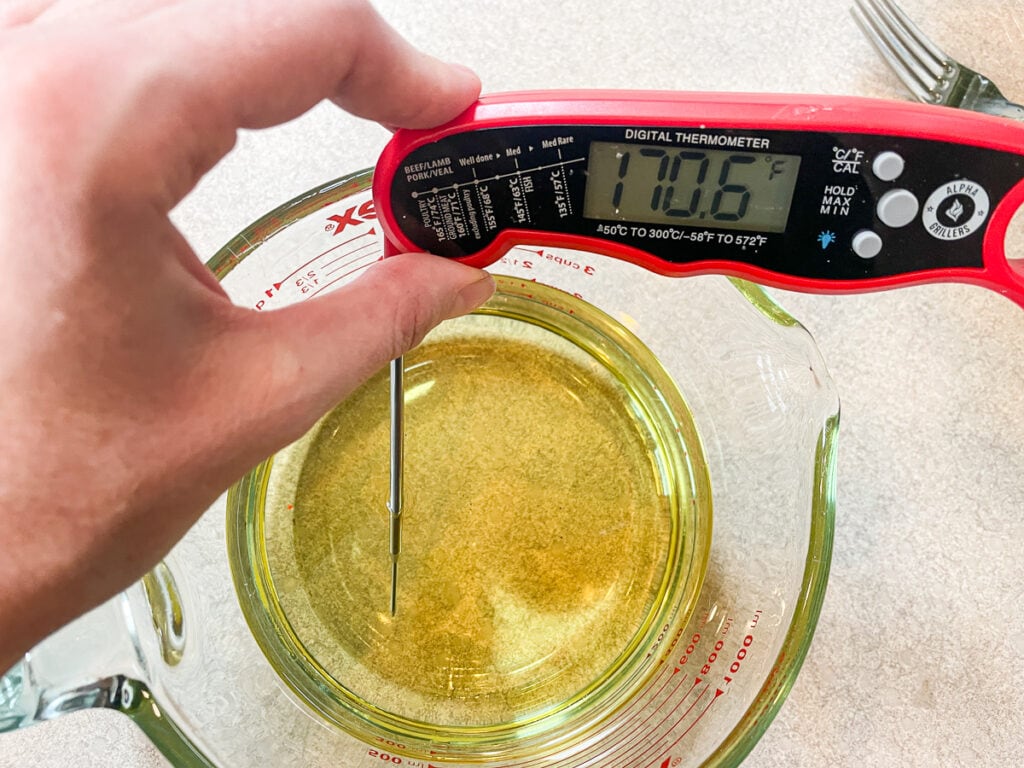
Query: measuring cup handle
[73, 669]
[97, 662]
[24, 702]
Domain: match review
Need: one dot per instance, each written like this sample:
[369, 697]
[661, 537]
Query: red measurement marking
[670, 649]
[718, 693]
[554, 258]
[620, 743]
[669, 672]
[341, 277]
[642, 741]
[631, 762]
[675, 671]
[349, 261]
[286, 278]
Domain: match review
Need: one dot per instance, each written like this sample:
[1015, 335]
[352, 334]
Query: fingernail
[472, 296]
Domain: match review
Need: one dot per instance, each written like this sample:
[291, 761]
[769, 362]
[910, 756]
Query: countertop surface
[918, 658]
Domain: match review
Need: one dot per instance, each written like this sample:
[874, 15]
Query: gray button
[867, 244]
[888, 166]
[897, 208]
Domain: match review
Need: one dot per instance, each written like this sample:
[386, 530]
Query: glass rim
[679, 581]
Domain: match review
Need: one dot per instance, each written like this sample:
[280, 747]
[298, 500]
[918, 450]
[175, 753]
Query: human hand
[133, 390]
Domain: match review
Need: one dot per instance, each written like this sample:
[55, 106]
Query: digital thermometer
[811, 193]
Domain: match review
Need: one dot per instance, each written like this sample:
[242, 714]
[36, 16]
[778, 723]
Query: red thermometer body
[810, 193]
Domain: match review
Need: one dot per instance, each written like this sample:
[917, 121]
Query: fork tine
[924, 50]
[930, 74]
[937, 55]
[918, 81]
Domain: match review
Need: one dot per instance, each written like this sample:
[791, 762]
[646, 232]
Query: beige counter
[919, 654]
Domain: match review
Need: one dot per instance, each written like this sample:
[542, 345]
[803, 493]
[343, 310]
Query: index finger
[265, 66]
[217, 66]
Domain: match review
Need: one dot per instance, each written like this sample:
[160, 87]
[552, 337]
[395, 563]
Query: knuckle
[412, 319]
[41, 83]
[406, 309]
[50, 104]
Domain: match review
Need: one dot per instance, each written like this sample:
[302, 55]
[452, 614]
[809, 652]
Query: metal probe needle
[395, 495]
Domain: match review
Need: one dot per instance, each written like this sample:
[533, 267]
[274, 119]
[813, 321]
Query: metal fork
[931, 75]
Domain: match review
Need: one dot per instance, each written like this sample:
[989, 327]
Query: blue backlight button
[867, 244]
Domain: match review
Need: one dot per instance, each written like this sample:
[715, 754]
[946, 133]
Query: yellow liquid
[540, 531]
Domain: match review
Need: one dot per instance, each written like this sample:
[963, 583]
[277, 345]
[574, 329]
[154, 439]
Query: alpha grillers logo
[955, 210]
[355, 216]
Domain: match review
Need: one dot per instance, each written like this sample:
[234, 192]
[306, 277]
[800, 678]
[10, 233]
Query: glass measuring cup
[175, 652]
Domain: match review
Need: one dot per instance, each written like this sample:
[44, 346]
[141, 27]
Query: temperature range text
[620, 231]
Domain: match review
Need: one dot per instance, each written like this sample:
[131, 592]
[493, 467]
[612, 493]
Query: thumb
[323, 349]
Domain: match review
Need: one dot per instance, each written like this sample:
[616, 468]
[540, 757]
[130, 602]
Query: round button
[887, 165]
[955, 210]
[897, 208]
[867, 244]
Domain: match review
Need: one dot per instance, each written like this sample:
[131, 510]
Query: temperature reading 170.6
[692, 186]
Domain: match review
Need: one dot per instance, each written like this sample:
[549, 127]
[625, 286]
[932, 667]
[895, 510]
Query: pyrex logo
[354, 215]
